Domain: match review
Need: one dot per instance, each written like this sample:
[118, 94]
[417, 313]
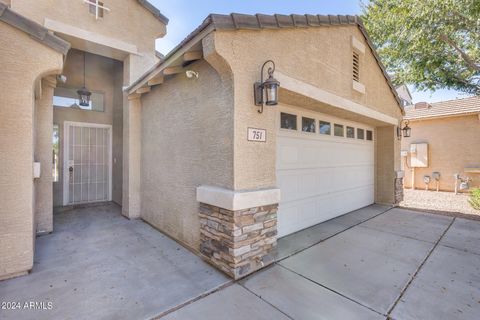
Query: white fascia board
[237, 200]
[332, 99]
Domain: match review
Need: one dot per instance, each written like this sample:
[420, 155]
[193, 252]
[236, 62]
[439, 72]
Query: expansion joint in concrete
[419, 268]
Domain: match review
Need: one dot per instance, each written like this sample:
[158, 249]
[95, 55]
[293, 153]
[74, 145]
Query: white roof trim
[332, 99]
[69, 30]
[237, 200]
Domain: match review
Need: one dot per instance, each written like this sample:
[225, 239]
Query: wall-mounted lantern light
[83, 93]
[270, 86]
[405, 131]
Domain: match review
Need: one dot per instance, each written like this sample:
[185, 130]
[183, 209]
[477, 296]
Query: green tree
[431, 44]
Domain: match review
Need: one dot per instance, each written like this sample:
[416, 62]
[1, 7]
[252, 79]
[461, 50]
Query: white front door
[321, 175]
[87, 163]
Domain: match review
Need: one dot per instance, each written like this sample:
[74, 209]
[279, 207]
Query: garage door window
[338, 130]
[288, 121]
[324, 127]
[351, 132]
[308, 125]
[360, 134]
[369, 135]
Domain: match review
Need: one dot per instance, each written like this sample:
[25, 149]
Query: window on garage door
[288, 121]
[360, 134]
[308, 125]
[350, 132]
[369, 135]
[338, 130]
[324, 127]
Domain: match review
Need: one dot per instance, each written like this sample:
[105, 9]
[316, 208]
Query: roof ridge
[456, 99]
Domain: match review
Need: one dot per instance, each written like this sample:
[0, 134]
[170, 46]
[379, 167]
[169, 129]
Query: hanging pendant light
[83, 93]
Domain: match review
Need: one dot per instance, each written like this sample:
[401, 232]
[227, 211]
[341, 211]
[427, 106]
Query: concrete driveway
[374, 263]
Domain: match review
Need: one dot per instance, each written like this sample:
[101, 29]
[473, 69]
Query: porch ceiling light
[406, 130]
[270, 86]
[83, 93]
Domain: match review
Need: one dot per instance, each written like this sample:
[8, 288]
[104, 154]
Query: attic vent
[356, 67]
[422, 105]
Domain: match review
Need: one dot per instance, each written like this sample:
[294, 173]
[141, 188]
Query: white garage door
[325, 168]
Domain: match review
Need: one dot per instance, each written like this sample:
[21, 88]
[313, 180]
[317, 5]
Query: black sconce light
[406, 130]
[271, 88]
[83, 93]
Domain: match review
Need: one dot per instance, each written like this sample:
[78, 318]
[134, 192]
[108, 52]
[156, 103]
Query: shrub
[475, 199]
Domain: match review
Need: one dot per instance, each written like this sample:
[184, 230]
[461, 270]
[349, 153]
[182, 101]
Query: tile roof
[445, 109]
[33, 29]
[150, 7]
[237, 21]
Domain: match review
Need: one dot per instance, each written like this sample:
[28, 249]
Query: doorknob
[70, 169]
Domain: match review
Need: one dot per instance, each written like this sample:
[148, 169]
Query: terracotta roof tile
[444, 109]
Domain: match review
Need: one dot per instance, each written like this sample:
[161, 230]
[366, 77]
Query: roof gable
[236, 21]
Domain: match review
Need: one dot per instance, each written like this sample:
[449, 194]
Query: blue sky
[186, 15]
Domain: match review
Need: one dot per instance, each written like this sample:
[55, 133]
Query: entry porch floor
[99, 265]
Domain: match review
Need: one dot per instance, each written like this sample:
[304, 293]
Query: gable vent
[356, 67]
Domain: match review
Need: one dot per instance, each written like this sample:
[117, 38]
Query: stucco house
[180, 140]
[444, 140]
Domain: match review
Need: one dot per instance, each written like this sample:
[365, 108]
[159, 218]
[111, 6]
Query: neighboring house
[447, 134]
[404, 95]
[179, 142]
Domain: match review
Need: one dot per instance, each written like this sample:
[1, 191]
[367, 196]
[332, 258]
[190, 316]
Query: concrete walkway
[100, 265]
[374, 263]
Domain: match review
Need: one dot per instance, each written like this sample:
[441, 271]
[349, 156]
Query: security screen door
[87, 163]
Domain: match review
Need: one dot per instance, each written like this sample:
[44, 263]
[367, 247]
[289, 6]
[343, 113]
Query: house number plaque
[258, 135]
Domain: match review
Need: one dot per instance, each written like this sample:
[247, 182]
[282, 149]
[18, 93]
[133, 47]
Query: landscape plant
[475, 199]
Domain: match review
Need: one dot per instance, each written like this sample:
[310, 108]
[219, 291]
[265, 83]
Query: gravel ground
[447, 203]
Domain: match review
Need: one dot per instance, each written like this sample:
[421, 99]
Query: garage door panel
[288, 219]
[322, 177]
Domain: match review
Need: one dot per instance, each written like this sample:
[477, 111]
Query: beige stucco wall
[128, 21]
[453, 145]
[387, 162]
[23, 61]
[321, 57]
[43, 115]
[102, 75]
[187, 141]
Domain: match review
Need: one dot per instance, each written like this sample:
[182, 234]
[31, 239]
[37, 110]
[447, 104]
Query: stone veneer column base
[238, 242]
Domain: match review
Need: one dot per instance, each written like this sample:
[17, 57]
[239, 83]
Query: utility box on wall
[419, 155]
